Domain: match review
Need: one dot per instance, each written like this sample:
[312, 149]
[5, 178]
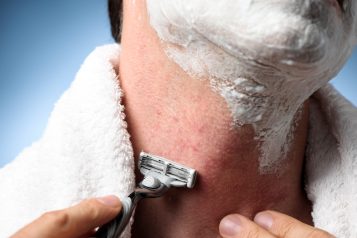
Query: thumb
[283, 225]
[73, 221]
[238, 226]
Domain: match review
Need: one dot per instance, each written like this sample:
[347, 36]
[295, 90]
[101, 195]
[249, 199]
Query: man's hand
[268, 224]
[77, 221]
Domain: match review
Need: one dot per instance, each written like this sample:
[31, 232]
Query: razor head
[168, 172]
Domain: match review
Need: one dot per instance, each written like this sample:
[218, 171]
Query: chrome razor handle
[115, 227]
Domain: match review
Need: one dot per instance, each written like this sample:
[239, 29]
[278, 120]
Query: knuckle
[58, 219]
[92, 210]
[317, 233]
[253, 232]
[288, 229]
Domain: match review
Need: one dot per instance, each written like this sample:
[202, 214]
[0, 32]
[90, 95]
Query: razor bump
[159, 175]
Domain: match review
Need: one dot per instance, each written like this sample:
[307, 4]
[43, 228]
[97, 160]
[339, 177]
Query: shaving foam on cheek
[265, 58]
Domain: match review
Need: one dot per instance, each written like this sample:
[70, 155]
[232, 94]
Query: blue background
[42, 45]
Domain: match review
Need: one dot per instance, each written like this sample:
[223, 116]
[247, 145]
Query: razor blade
[168, 172]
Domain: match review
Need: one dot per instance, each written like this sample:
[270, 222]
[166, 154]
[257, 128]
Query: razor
[159, 175]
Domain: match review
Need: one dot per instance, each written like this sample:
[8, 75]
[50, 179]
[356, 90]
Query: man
[224, 88]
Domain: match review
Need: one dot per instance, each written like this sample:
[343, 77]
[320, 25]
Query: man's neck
[183, 120]
[170, 114]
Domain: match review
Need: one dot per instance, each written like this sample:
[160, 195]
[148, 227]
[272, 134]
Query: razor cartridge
[165, 170]
[159, 175]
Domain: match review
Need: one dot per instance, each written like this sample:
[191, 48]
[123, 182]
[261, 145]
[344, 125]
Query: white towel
[86, 152]
[331, 171]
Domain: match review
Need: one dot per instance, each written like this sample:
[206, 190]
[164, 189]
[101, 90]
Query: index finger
[285, 226]
[73, 221]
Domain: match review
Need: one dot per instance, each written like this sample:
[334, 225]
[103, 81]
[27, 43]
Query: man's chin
[284, 48]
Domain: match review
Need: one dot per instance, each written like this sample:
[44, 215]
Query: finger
[73, 221]
[237, 226]
[285, 226]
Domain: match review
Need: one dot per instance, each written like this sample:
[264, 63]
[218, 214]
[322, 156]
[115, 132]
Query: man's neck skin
[175, 116]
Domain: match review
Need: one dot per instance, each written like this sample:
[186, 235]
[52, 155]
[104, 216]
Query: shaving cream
[265, 58]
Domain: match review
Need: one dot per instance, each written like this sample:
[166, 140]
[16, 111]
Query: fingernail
[110, 201]
[264, 219]
[230, 226]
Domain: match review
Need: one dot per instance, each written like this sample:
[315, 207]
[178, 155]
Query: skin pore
[174, 115]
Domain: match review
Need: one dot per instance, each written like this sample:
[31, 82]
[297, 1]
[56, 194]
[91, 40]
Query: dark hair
[115, 8]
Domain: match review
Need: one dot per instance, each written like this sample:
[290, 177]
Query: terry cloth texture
[86, 152]
[331, 171]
